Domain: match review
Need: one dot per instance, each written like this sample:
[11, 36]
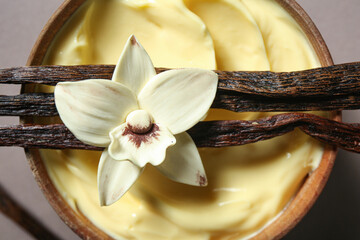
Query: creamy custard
[248, 185]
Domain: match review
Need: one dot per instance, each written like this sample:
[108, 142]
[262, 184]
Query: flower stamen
[139, 122]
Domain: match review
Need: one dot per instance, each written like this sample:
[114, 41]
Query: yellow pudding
[248, 185]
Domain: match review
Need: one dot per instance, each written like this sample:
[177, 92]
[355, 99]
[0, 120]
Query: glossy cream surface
[248, 185]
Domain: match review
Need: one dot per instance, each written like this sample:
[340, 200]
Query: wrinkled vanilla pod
[205, 134]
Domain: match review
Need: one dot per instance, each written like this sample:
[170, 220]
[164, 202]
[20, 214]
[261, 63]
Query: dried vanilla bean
[331, 88]
[342, 79]
[12, 209]
[42, 104]
[205, 134]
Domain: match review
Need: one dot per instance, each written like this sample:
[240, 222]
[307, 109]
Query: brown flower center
[139, 129]
[139, 138]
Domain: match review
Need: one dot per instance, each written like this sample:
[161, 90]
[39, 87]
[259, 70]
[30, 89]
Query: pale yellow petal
[115, 178]
[134, 68]
[140, 148]
[179, 98]
[92, 108]
[183, 163]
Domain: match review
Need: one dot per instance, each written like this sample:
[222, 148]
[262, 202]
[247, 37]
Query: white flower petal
[134, 68]
[179, 98]
[140, 148]
[115, 178]
[92, 108]
[183, 163]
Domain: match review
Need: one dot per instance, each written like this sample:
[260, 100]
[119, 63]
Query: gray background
[336, 215]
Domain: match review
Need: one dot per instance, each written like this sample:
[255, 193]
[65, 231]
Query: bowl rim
[291, 215]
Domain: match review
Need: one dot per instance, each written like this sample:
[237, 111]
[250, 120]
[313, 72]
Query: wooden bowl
[298, 207]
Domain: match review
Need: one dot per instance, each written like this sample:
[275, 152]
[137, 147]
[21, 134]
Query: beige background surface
[336, 215]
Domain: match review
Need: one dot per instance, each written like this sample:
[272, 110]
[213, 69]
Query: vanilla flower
[139, 117]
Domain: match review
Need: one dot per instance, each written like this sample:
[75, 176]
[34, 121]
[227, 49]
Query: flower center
[139, 122]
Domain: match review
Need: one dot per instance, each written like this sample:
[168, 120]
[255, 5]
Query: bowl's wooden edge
[311, 31]
[48, 33]
[316, 180]
[296, 210]
[76, 221]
